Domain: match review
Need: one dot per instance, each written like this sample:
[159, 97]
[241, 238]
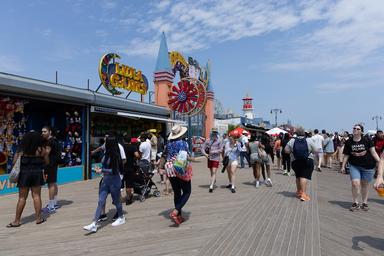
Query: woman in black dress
[33, 156]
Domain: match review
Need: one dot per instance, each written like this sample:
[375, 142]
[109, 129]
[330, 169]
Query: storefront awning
[125, 114]
[36, 89]
[96, 109]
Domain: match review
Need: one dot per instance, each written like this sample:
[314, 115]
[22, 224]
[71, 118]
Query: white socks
[51, 204]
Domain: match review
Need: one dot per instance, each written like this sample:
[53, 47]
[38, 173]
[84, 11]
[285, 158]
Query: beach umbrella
[275, 131]
[238, 132]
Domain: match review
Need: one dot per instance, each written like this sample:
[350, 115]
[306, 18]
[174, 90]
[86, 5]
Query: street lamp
[150, 93]
[276, 111]
[377, 118]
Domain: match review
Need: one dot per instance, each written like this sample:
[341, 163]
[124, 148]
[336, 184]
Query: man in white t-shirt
[145, 147]
[318, 141]
[244, 149]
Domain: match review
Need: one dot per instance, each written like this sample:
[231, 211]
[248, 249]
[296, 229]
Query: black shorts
[130, 176]
[303, 168]
[30, 179]
[51, 175]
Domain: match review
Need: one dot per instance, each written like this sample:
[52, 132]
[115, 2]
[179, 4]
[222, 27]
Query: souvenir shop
[81, 118]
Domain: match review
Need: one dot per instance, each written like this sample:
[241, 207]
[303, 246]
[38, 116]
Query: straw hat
[177, 131]
[214, 130]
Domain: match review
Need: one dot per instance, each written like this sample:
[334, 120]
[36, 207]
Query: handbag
[15, 172]
[178, 166]
[225, 163]
[262, 154]
[254, 157]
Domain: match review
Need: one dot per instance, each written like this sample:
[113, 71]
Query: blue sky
[321, 62]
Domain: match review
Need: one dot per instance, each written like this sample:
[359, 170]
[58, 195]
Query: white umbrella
[275, 131]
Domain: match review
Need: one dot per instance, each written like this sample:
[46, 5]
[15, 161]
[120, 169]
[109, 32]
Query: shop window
[12, 129]
[19, 116]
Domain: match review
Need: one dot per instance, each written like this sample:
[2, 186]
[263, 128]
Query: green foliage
[232, 127]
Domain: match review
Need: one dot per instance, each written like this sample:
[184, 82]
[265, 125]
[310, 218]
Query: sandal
[41, 221]
[11, 225]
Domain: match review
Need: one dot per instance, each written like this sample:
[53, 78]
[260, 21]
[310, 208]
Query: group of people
[120, 162]
[234, 150]
[38, 156]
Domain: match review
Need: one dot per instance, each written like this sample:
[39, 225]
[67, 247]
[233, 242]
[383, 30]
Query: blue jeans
[242, 155]
[181, 191]
[109, 184]
[360, 173]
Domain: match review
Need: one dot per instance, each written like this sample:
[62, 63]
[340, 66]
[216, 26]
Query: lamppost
[150, 93]
[276, 111]
[377, 118]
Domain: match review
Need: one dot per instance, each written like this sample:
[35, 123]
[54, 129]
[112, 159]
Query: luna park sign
[114, 75]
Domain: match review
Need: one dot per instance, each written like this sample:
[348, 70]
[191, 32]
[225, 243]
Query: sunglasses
[356, 129]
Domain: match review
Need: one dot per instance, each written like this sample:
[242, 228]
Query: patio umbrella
[275, 131]
[238, 132]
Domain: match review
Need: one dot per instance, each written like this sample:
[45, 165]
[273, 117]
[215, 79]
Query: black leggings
[287, 162]
[181, 191]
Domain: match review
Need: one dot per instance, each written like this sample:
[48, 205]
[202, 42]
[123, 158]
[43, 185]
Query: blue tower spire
[162, 63]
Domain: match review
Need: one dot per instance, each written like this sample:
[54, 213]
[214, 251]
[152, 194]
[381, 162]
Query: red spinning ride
[188, 97]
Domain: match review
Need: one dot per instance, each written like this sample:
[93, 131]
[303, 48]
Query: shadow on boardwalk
[374, 242]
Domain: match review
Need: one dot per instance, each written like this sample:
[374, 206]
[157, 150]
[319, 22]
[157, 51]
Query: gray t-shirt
[311, 148]
[254, 147]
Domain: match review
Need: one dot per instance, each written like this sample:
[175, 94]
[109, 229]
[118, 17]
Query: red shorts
[213, 164]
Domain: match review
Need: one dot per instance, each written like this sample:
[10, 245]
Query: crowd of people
[355, 154]
[361, 156]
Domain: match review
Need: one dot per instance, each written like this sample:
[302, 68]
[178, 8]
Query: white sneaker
[91, 227]
[269, 182]
[257, 184]
[285, 172]
[119, 221]
[289, 174]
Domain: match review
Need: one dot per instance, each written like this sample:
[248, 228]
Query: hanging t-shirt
[359, 154]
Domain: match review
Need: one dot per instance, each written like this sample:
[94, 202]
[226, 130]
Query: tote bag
[15, 172]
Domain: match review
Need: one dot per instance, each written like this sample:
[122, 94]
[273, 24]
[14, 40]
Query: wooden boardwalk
[264, 221]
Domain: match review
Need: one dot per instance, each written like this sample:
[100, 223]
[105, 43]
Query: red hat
[134, 140]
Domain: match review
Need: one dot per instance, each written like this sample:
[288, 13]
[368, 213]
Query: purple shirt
[215, 149]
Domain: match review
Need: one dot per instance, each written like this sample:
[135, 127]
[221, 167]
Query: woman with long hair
[265, 150]
[112, 166]
[361, 155]
[286, 157]
[33, 157]
[232, 150]
[255, 160]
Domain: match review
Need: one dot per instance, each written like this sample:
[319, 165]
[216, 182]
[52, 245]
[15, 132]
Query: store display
[12, 129]
[72, 143]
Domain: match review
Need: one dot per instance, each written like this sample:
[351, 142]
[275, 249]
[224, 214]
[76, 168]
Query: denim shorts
[360, 173]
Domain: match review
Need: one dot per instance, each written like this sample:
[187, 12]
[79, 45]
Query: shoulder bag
[15, 172]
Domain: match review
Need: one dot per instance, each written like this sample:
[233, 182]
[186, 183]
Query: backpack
[300, 149]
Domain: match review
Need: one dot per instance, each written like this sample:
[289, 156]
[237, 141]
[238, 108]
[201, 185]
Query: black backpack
[300, 149]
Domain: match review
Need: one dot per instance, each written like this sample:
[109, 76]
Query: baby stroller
[143, 183]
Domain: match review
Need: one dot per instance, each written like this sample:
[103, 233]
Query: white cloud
[351, 35]
[341, 87]
[101, 33]
[108, 4]
[192, 25]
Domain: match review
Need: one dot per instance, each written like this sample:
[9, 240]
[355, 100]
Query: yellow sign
[115, 75]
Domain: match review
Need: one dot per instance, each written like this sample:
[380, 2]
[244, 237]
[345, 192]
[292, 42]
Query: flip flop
[11, 225]
[41, 221]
